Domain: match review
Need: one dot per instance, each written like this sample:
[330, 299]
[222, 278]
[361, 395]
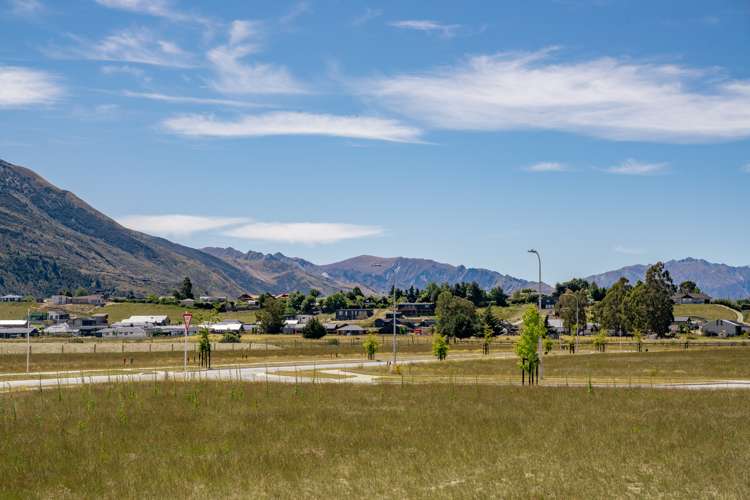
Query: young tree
[439, 347]
[370, 346]
[313, 329]
[526, 348]
[456, 317]
[271, 317]
[204, 349]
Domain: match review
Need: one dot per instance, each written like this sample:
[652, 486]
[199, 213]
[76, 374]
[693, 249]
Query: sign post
[186, 318]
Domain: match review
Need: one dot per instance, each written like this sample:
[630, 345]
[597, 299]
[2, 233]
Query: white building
[62, 329]
[13, 323]
[11, 298]
[156, 320]
[226, 326]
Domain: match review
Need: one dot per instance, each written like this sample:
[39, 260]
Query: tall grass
[204, 439]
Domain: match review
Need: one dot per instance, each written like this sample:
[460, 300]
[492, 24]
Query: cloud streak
[547, 166]
[293, 123]
[634, 167]
[427, 26]
[308, 233]
[21, 87]
[156, 8]
[177, 225]
[603, 97]
[188, 99]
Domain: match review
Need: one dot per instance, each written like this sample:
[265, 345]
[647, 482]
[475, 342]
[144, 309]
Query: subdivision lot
[210, 439]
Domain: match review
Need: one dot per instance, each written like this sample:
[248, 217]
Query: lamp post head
[533, 251]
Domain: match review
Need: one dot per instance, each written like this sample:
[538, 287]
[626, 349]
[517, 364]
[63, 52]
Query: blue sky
[603, 133]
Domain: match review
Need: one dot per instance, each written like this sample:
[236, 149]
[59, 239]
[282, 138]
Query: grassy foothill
[235, 440]
[728, 363]
[705, 311]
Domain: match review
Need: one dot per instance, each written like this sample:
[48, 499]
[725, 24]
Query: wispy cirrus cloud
[427, 26]
[629, 250]
[125, 69]
[298, 9]
[20, 87]
[547, 166]
[177, 99]
[308, 233]
[26, 8]
[368, 15]
[133, 46]
[157, 8]
[234, 75]
[605, 97]
[635, 167]
[178, 225]
[293, 123]
[745, 168]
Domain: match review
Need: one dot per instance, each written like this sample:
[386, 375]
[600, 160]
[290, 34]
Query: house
[57, 316]
[724, 328]
[386, 325]
[61, 330]
[351, 330]
[130, 332]
[353, 314]
[691, 298]
[187, 303]
[556, 325]
[92, 300]
[226, 326]
[13, 333]
[170, 330]
[13, 323]
[292, 326]
[684, 324]
[416, 308]
[59, 300]
[332, 327]
[89, 326]
[11, 298]
[157, 320]
[210, 299]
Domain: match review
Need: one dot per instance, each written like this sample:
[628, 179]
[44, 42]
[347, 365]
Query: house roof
[17, 331]
[692, 295]
[351, 328]
[11, 323]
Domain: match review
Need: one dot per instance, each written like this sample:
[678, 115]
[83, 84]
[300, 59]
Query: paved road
[340, 372]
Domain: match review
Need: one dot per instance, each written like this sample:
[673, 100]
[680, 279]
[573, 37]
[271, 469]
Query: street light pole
[539, 348]
[28, 342]
[395, 343]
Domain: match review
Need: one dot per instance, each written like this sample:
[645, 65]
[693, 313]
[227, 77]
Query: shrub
[314, 329]
[439, 347]
[231, 338]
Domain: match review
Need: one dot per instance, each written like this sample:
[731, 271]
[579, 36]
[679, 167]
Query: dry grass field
[705, 311]
[674, 365]
[234, 440]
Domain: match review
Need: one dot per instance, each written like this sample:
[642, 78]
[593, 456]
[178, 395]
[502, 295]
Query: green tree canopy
[526, 347]
[689, 287]
[498, 297]
[271, 317]
[313, 329]
[456, 317]
[571, 303]
[612, 310]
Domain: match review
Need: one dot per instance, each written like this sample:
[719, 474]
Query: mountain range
[52, 240]
[717, 280]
